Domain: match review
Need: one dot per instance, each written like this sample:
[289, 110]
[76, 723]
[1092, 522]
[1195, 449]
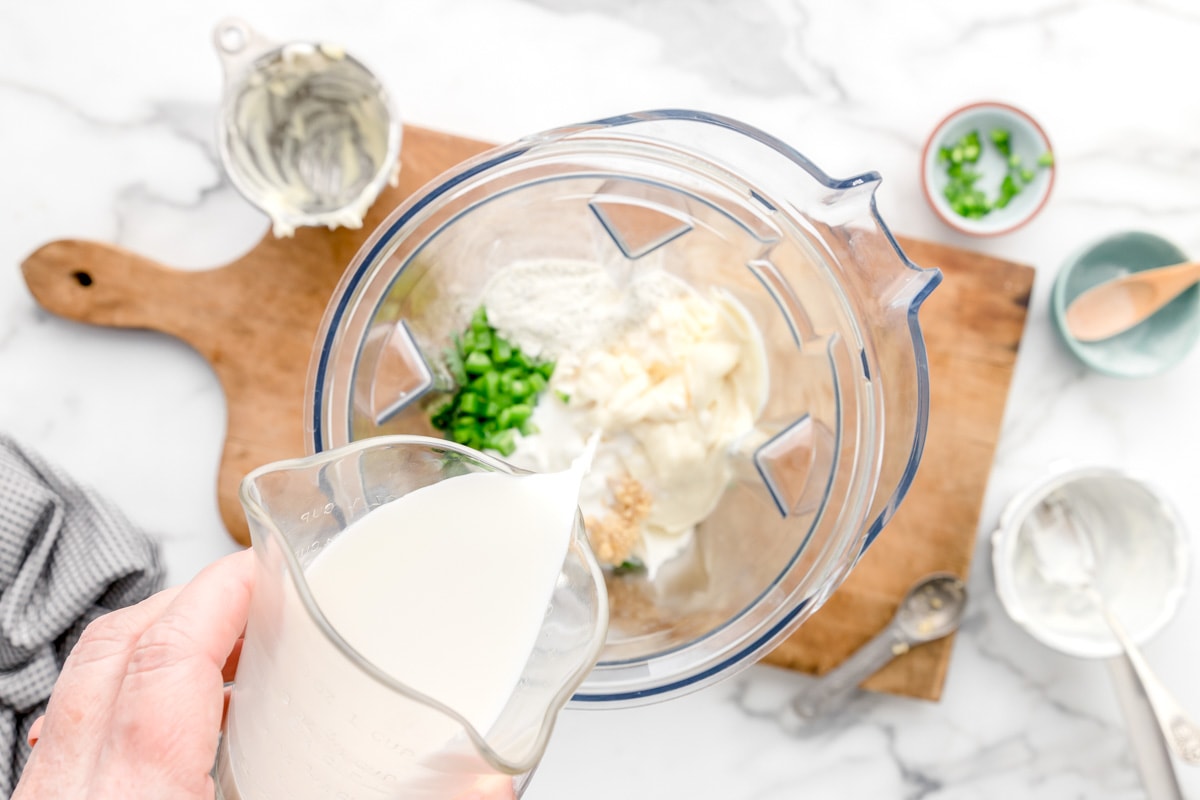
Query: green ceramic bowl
[1146, 349]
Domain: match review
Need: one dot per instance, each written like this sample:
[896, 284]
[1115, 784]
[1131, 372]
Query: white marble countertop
[108, 111]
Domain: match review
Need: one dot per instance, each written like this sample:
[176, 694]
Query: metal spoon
[1064, 555]
[931, 609]
[1116, 306]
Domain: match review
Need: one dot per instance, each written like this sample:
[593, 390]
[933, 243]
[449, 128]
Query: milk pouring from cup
[420, 615]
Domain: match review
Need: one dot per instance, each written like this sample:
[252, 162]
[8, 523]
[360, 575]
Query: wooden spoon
[1116, 306]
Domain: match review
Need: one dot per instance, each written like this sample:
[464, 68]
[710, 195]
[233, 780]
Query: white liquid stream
[444, 589]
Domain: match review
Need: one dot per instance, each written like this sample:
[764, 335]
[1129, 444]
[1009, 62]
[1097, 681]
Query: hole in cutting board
[84, 278]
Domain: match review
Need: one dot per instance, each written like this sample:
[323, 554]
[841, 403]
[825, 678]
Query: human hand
[138, 707]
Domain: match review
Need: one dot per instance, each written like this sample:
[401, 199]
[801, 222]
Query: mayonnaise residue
[310, 138]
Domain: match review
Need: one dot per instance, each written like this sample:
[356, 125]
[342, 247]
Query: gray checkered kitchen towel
[66, 557]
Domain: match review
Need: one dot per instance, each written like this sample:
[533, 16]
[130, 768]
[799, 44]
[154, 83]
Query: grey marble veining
[114, 108]
[741, 47]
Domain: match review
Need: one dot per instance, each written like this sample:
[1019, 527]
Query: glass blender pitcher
[310, 716]
[725, 208]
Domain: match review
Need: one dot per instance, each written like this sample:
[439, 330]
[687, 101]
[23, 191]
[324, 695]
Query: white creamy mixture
[669, 376]
[445, 589]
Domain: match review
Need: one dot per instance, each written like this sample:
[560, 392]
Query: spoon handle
[1150, 749]
[1181, 734]
[832, 690]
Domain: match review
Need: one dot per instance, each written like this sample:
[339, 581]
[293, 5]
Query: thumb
[493, 787]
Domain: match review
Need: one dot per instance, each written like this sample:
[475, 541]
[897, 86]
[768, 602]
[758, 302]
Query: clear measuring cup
[310, 717]
[306, 131]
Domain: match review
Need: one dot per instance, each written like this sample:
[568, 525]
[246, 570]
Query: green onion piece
[501, 350]
[491, 384]
[519, 413]
[963, 191]
[442, 417]
[483, 341]
[1046, 159]
[471, 403]
[497, 388]
[1008, 190]
[1003, 141]
[504, 442]
[477, 363]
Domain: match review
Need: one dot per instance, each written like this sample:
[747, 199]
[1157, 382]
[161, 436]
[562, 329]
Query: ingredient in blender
[497, 387]
[962, 157]
[670, 377]
[445, 590]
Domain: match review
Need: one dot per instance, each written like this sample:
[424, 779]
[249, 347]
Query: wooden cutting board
[255, 320]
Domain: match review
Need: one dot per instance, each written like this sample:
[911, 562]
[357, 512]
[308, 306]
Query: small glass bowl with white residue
[306, 132]
[1140, 561]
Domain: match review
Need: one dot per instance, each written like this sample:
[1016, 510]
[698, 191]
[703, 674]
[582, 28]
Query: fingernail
[35, 730]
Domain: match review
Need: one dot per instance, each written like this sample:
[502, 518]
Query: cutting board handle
[106, 285]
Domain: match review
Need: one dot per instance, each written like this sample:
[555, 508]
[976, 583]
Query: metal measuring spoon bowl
[306, 132]
[931, 609]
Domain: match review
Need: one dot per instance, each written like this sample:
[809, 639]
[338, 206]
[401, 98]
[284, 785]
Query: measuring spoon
[931, 609]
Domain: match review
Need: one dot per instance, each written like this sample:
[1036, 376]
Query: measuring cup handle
[832, 690]
[237, 44]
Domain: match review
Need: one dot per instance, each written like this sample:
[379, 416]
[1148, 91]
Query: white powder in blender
[549, 307]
